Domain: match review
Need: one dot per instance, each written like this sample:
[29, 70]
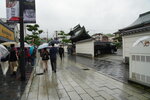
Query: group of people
[52, 55]
[11, 61]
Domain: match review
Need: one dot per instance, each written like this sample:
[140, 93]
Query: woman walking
[13, 60]
[45, 58]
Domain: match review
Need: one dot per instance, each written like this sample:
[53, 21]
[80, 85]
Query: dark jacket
[45, 55]
[12, 55]
[53, 51]
[61, 50]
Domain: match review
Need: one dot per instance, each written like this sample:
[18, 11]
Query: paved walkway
[75, 82]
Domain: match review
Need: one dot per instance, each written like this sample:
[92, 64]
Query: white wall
[129, 40]
[139, 65]
[86, 47]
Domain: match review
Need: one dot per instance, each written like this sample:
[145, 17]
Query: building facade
[138, 29]
[6, 33]
[100, 37]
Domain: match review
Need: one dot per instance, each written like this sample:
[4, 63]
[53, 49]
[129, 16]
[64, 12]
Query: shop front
[6, 34]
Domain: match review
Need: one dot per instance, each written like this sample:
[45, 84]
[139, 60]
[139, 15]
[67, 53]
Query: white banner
[12, 7]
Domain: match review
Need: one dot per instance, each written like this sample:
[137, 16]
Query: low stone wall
[85, 47]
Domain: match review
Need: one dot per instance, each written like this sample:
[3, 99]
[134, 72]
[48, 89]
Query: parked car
[104, 48]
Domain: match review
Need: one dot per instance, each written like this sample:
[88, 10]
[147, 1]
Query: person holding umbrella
[45, 58]
[13, 60]
[53, 51]
[61, 52]
[4, 62]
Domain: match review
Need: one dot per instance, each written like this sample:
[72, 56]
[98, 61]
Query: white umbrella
[140, 40]
[44, 45]
[9, 43]
[3, 51]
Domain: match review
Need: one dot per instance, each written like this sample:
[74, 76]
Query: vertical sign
[12, 9]
[29, 11]
[29, 15]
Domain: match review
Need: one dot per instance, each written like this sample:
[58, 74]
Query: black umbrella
[54, 42]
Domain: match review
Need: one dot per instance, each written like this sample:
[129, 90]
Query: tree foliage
[110, 35]
[34, 37]
[63, 36]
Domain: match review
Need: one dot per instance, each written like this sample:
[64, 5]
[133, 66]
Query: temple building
[78, 33]
[139, 28]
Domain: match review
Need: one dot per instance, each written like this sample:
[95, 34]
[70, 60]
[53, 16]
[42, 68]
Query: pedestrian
[61, 52]
[45, 58]
[33, 55]
[4, 64]
[53, 52]
[13, 60]
[27, 56]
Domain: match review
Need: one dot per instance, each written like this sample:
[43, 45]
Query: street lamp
[22, 52]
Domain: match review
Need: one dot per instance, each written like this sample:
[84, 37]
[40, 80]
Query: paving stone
[62, 93]
[99, 98]
[86, 97]
[91, 92]
[106, 95]
[74, 96]
[72, 83]
[68, 88]
[79, 90]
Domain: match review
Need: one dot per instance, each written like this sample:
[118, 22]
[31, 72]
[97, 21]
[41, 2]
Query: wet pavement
[11, 88]
[75, 81]
[108, 64]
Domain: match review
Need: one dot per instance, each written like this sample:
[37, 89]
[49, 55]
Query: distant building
[118, 37]
[138, 29]
[100, 37]
[12, 26]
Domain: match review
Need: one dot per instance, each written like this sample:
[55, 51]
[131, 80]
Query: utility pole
[47, 35]
[56, 35]
[22, 52]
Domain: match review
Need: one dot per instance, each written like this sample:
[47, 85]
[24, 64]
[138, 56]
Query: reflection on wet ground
[114, 68]
[11, 88]
[72, 82]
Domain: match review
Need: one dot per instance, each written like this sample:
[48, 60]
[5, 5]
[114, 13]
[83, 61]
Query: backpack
[45, 55]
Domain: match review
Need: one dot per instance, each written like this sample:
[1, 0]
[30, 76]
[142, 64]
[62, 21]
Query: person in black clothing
[61, 52]
[13, 60]
[53, 51]
[45, 58]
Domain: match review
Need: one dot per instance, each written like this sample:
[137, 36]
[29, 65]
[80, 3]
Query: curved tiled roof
[143, 20]
[142, 24]
[79, 33]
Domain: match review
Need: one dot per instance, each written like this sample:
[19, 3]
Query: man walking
[53, 52]
[61, 52]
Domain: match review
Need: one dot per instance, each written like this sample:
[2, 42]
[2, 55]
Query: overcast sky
[98, 16]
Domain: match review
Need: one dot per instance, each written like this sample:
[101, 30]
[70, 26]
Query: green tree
[63, 36]
[110, 35]
[34, 37]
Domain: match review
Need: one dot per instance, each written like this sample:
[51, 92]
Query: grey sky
[98, 16]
